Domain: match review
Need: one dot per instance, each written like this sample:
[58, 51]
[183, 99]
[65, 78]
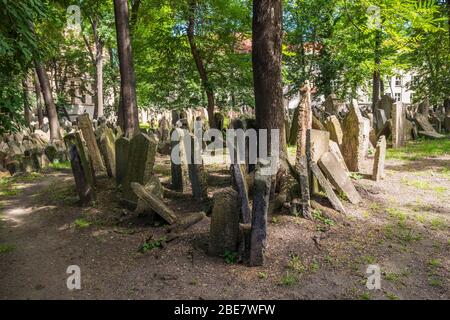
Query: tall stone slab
[179, 168]
[261, 195]
[386, 103]
[81, 168]
[122, 153]
[224, 230]
[338, 177]
[141, 160]
[333, 126]
[108, 150]
[197, 174]
[398, 124]
[87, 130]
[353, 140]
[380, 156]
[320, 141]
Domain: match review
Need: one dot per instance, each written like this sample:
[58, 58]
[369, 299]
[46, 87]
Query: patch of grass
[420, 149]
[230, 257]
[423, 185]
[317, 215]
[434, 263]
[315, 266]
[369, 259]
[64, 165]
[288, 279]
[397, 215]
[365, 296]
[393, 277]
[275, 220]
[438, 224]
[356, 176]
[434, 282]
[262, 275]
[4, 247]
[296, 264]
[152, 244]
[82, 223]
[392, 296]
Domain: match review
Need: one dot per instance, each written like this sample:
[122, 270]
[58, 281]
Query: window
[398, 97]
[398, 81]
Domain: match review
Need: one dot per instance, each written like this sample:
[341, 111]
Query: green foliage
[420, 149]
[4, 248]
[152, 244]
[230, 257]
[82, 223]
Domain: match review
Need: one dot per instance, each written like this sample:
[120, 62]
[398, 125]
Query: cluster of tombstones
[30, 150]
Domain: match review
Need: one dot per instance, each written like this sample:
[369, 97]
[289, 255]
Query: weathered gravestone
[427, 129]
[224, 230]
[108, 149]
[386, 103]
[81, 168]
[353, 141]
[122, 154]
[261, 194]
[380, 156]
[179, 161]
[87, 130]
[380, 119]
[323, 182]
[196, 169]
[366, 136]
[334, 148]
[320, 141]
[334, 128]
[141, 160]
[398, 125]
[338, 177]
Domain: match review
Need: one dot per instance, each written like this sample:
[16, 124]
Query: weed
[64, 165]
[317, 215]
[365, 296]
[82, 223]
[152, 244]
[289, 279]
[262, 275]
[230, 257]
[296, 264]
[392, 296]
[434, 263]
[275, 220]
[4, 247]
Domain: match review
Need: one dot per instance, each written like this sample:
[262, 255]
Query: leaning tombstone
[108, 149]
[81, 168]
[87, 130]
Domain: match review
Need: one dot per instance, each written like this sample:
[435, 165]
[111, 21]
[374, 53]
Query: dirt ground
[402, 225]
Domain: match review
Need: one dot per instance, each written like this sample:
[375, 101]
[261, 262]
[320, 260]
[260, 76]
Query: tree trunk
[98, 109]
[37, 89]
[376, 82]
[199, 63]
[26, 103]
[128, 110]
[266, 58]
[49, 102]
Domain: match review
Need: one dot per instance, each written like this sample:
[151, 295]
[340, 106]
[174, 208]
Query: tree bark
[49, 102]
[26, 103]
[98, 108]
[37, 89]
[266, 58]
[199, 63]
[128, 110]
[376, 81]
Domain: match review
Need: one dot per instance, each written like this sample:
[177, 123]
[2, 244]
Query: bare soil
[402, 225]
